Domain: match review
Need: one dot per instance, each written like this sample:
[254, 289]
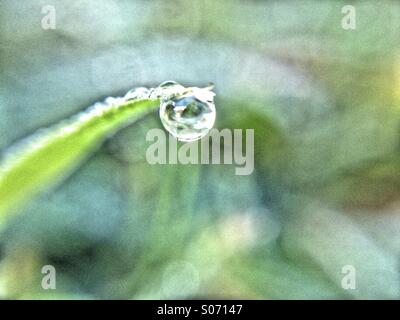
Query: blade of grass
[51, 154]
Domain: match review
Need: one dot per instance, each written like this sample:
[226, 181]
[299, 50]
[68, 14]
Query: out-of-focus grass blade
[50, 154]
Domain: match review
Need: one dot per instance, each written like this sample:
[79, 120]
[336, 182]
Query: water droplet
[168, 83]
[137, 93]
[187, 113]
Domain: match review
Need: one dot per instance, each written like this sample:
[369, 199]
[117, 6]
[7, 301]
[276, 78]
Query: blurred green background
[325, 193]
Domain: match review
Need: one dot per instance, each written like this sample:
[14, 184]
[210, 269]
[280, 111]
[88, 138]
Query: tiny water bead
[187, 113]
[137, 93]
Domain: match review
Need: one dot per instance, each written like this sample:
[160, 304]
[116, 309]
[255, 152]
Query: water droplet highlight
[187, 113]
[137, 93]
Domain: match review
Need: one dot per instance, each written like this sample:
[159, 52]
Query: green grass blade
[51, 154]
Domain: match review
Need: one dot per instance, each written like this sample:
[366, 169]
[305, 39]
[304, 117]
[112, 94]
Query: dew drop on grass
[187, 113]
[137, 93]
